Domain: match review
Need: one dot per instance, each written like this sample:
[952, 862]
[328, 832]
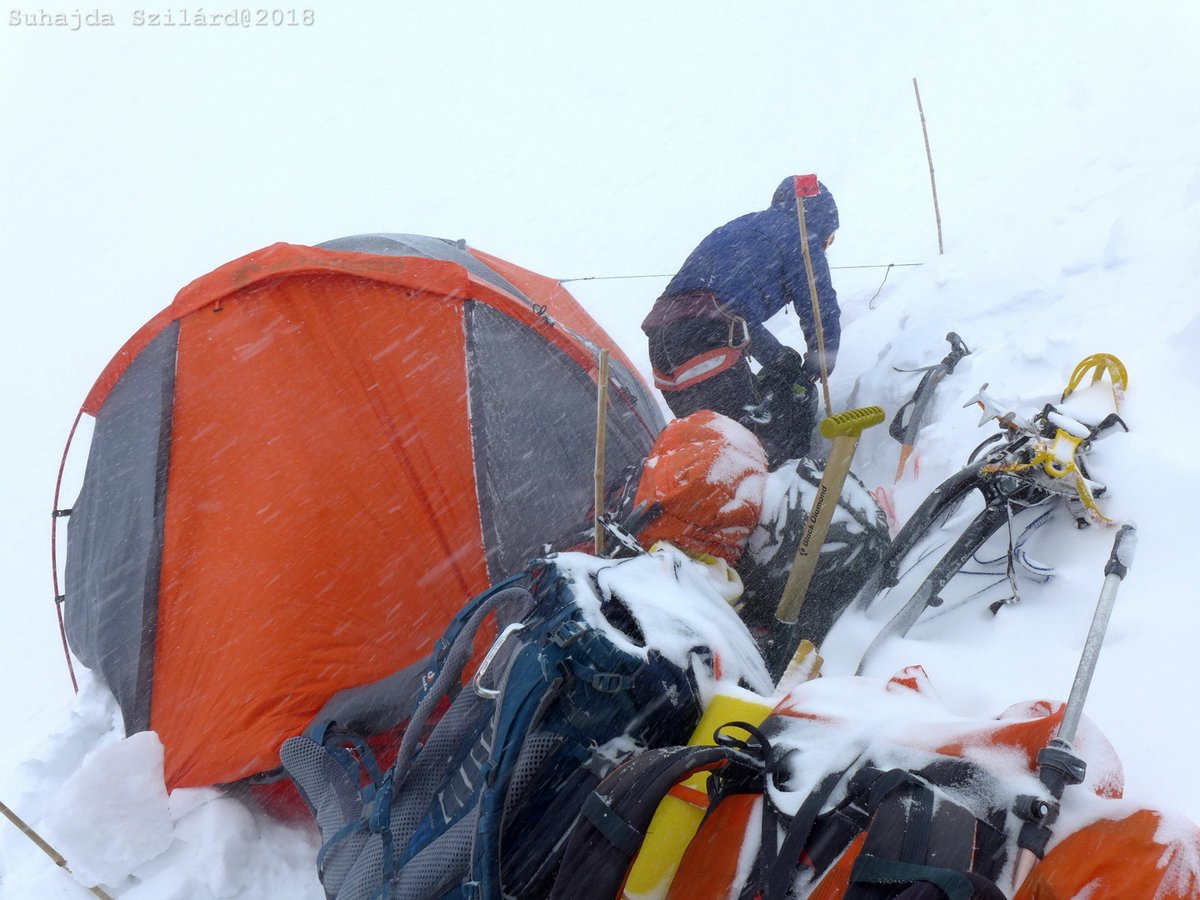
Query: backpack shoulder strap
[610, 831]
[336, 773]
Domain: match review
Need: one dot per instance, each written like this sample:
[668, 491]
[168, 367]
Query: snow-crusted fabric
[1102, 845]
[1145, 854]
[708, 474]
[679, 604]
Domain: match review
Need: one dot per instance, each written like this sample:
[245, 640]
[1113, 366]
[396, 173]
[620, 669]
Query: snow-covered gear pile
[595, 663]
[856, 787]
[303, 467]
[854, 544]
[1022, 474]
[706, 476]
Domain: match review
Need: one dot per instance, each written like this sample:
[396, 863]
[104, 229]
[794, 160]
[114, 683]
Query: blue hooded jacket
[755, 267]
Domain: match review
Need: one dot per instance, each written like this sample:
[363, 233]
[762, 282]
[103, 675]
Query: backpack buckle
[566, 632]
[610, 682]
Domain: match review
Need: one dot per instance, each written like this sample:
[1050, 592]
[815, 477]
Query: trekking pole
[601, 422]
[906, 432]
[1058, 766]
[42, 845]
[843, 430]
[807, 186]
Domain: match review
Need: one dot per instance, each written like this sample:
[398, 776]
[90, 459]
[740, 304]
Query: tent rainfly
[303, 466]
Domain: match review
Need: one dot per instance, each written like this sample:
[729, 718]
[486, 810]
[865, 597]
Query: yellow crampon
[1056, 456]
[1057, 459]
[1100, 364]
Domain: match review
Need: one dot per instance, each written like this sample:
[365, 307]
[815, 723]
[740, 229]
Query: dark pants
[781, 419]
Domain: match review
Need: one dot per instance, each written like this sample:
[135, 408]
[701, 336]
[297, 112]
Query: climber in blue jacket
[710, 320]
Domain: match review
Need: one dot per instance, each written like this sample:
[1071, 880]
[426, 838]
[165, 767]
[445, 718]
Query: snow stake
[844, 430]
[27, 830]
[1058, 766]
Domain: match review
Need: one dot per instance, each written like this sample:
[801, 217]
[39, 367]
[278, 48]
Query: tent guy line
[672, 274]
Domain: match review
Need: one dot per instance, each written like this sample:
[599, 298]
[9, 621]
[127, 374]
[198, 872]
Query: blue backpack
[480, 804]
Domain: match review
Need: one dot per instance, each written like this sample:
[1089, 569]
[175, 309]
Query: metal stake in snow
[1058, 766]
[27, 830]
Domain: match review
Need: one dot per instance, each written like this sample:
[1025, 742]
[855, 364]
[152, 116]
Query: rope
[672, 274]
[881, 266]
[871, 302]
[610, 277]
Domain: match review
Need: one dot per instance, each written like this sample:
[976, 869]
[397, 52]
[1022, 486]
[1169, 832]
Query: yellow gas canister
[681, 810]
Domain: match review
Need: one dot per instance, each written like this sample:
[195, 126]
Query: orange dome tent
[304, 465]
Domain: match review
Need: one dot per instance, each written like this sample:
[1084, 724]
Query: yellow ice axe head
[851, 423]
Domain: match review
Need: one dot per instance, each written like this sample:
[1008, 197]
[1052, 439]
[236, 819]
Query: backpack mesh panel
[533, 755]
[428, 773]
[457, 728]
[445, 862]
[364, 879]
[335, 799]
[508, 604]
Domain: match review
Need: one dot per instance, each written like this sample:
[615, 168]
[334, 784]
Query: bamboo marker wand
[937, 213]
[808, 186]
[601, 422]
[27, 830]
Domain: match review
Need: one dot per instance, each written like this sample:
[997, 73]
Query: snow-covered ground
[607, 141]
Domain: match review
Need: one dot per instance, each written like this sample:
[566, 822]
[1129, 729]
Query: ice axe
[906, 432]
[1058, 765]
[843, 430]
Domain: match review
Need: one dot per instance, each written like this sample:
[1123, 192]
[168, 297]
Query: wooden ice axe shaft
[843, 430]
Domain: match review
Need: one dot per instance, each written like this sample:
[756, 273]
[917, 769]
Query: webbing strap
[873, 870]
[918, 827]
[469, 890]
[780, 871]
[697, 369]
[615, 829]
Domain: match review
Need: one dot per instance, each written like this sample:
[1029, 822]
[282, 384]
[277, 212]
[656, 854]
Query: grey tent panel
[115, 534]
[426, 247]
[634, 398]
[533, 417]
[632, 403]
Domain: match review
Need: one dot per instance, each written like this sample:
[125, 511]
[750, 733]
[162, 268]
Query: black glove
[788, 367]
[812, 366]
